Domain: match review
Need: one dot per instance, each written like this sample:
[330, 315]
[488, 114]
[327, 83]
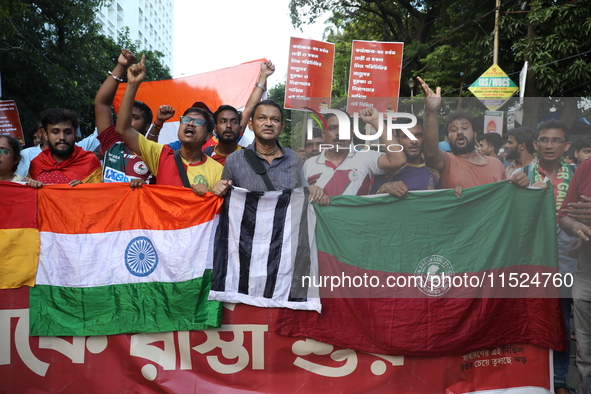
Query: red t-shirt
[120, 164]
[579, 186]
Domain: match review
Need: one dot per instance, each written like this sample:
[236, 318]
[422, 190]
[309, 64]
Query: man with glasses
[551, 143]
[201, 171]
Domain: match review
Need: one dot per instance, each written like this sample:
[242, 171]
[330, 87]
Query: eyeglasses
[553, 141]
[196, 121]
[4, 152]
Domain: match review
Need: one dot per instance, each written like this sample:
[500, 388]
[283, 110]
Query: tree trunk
[531, 103]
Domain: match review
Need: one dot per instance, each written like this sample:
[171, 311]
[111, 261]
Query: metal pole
[496, 32]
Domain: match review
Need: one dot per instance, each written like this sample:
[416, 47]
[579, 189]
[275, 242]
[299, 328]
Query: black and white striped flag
[262, 250]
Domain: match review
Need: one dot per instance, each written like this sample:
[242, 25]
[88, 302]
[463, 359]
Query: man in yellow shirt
[199, 171]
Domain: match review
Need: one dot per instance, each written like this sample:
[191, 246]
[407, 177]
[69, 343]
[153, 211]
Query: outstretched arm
[434, 157]
[267, 69]
[103, 100]
[135, 75]
[393, 159]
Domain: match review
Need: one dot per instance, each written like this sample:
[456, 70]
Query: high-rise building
[149, 22]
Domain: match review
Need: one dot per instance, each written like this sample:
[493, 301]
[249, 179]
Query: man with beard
[63, 161]
[89, 143]
[415, 175]
[464, 167]
[230, 125]
[228, 130]
[188, 166]
[520, 149]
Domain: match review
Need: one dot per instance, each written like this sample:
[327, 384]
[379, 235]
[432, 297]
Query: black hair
[329, 115]
[16, 149]
[583, 142]
[493, 139]
[55, 116]
[316, 133]
[269, 102]
[419, 123]
[553, 124]
[205, 114]
[146, 112]
[570, 154]
[457, 116]
[226, 108]
[524, 135]
[33, 130]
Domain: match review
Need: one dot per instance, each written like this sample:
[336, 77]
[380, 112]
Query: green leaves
[53, 56]
[450, 42]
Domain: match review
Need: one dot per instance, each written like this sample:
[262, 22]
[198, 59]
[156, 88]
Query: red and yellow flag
[20, 238]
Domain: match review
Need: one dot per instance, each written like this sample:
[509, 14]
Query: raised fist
[127, 58]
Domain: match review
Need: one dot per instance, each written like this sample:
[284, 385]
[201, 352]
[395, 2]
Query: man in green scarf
[551, 143]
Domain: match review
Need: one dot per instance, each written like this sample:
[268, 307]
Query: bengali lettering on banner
[309, 74]
[374, 79]
[244, 354]
[10, 123]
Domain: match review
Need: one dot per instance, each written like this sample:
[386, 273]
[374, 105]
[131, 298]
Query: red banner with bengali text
[10, 123]
[244, 354]
[309, 74]
[374, 77]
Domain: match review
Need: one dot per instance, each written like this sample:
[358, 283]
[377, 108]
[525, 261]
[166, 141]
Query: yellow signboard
[493, 87]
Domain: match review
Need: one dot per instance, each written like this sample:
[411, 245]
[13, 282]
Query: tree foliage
[450, 42]
[555, 37]
[434, 33]
[52, 55]
[277, 93]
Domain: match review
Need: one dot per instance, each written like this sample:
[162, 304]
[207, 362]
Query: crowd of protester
[208, 158]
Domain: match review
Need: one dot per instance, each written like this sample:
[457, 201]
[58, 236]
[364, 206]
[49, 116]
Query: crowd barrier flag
[20, 238]
[115, 260]
[478, 240]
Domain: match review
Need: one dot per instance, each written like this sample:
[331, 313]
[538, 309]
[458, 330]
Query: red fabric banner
[244, 354]
[232, 86]
[10, 123]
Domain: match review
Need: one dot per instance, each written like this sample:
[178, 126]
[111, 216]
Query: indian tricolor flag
[115, 260]
[19, 238]
[432, 274]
